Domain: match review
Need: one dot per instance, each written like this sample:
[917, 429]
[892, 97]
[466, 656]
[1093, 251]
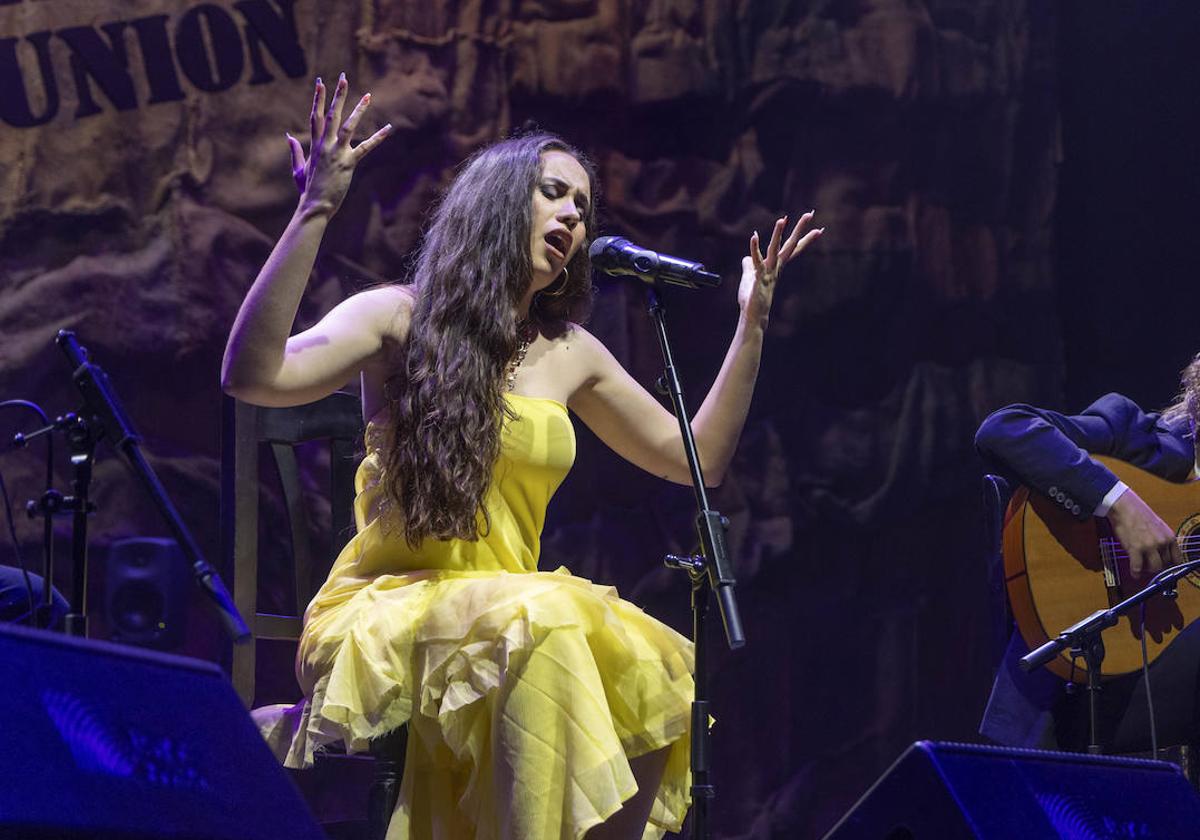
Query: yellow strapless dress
[526, 692]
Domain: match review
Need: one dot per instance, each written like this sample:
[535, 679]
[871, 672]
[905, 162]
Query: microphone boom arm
[106, 418]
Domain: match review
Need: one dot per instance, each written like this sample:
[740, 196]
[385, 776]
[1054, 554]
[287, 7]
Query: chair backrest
[247, 431]
[996, 493]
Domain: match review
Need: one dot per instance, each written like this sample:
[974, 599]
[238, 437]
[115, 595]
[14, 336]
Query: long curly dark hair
[446, 390]
[1187, 402]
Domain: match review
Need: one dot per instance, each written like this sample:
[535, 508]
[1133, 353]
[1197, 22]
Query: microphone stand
[711, 569]
[81, 440]
[104, 417]
[1083, 638]
[46, 506]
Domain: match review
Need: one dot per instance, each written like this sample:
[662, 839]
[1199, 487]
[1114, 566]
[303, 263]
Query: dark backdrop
[1126, 221]
[1007, 187]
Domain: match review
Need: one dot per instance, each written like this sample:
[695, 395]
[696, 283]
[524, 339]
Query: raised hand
[761, 273]
[324, 176]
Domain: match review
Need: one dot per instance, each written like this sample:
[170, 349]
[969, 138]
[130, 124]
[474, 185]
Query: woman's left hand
[761, 274]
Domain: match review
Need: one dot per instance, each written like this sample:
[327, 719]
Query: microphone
[618, 256]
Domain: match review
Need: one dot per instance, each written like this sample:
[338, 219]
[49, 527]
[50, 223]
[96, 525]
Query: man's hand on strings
[324, 175]
[761, 273]
[1149, 542]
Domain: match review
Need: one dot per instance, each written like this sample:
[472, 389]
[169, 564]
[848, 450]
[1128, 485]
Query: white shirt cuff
[1110, 497]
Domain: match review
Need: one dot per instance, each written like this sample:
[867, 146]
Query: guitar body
[1060, 570]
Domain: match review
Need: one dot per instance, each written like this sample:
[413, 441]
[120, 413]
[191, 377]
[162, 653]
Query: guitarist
[1049, 452]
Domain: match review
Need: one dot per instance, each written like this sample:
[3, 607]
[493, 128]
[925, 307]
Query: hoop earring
[562, 287]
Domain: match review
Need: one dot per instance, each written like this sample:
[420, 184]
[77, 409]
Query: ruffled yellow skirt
[525, 694]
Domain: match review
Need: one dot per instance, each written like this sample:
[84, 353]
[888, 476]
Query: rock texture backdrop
[144, 176]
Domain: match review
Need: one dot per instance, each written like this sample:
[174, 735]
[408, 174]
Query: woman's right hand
[324, 176]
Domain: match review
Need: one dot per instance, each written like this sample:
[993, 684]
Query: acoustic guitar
[1060, 570]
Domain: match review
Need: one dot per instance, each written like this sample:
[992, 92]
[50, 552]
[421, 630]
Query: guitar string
[1124, 555]
[1191, 538]
[1116, 553]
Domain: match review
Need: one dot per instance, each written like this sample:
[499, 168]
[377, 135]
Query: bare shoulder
[576, 338]
[578, 347]
[580, 360]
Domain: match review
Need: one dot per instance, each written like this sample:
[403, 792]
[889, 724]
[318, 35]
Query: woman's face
[560, 204]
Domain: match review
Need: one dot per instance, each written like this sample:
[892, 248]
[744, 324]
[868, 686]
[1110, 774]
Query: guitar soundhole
[1189, 540]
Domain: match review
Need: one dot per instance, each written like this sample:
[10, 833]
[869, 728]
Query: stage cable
[31, 616]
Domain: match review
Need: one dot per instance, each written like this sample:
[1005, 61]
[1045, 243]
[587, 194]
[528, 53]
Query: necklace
[527, 332]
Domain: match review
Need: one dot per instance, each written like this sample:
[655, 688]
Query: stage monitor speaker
[104, 741]
[939, 791]
[146, 585]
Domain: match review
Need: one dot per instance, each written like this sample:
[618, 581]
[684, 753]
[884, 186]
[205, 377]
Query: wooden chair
[334, 422]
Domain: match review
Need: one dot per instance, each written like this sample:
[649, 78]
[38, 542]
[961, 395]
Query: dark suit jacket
[1048, 452]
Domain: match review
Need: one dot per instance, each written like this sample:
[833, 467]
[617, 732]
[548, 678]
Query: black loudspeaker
[938, 791]
[146, 585]
[102, 741]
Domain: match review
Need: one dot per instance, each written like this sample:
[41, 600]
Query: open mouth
[560, 243]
